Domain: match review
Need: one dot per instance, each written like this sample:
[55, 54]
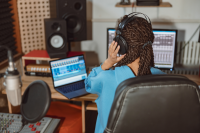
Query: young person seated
[138, 61]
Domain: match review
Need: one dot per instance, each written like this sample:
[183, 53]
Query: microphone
[12, 81]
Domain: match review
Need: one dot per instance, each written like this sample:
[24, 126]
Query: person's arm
[156, 71]
[112, 56]
[93, 81]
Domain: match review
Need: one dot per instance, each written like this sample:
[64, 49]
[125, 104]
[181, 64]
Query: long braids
[137, 33]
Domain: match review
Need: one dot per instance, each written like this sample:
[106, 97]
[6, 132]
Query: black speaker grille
[6, 29]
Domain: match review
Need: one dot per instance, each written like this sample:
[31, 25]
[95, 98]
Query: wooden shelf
[162, 4]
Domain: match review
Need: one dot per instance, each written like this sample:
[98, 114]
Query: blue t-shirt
[104, 83]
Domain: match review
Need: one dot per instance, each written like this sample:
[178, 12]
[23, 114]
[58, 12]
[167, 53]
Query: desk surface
[26, 80]
[194, 78]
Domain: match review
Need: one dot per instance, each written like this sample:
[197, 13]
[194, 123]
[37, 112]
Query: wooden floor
[90, 117]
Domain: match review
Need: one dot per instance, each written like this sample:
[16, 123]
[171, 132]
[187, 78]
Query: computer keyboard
[72, 87]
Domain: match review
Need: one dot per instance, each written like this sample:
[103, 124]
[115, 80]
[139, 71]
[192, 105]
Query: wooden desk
[194, 78]
[26, 80]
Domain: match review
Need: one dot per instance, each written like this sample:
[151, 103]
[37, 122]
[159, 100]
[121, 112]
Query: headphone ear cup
[123, 46]
[114, 39]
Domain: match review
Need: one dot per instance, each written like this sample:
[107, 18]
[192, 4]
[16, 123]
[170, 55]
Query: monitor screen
[163, 46]
[69, 70]
[110, 37]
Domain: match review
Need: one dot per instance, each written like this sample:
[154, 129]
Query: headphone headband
[130, 17]
[136, 13]
[120, 40]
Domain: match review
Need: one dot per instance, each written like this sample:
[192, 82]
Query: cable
[189, 40]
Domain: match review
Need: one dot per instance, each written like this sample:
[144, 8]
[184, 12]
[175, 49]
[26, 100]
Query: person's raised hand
[112, 56]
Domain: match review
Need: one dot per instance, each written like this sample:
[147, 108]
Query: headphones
[119, 39]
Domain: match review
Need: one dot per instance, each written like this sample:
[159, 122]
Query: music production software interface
[111, 36]
[111, 33]
[163, 47]
[68, 70]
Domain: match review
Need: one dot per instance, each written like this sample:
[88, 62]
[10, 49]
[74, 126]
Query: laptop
[68, 76]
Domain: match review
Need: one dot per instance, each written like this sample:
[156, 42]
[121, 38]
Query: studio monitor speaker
[56, 38]
[74, 13]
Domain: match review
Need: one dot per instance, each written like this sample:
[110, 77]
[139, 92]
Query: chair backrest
[155, 104]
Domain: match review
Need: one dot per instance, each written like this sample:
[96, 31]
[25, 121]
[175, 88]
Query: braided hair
[137, 33]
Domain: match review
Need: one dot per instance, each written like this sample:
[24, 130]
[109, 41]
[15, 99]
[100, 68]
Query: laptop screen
[69, 70]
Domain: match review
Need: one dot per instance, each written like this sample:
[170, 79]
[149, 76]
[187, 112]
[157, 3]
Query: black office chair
[155, 104]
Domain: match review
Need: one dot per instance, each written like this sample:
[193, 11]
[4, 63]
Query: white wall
[183, 15]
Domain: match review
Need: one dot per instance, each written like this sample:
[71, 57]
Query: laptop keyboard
[72, 87]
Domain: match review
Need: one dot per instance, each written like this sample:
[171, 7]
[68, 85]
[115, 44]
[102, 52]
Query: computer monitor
[163, 46]
[110, 37]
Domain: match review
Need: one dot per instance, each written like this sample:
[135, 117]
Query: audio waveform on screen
[163, 41]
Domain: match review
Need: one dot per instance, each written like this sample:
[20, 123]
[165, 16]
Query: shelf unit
[162, 4]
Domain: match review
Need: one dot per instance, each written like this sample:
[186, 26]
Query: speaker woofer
[56, 41]
[73, 23]
[78, 6]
